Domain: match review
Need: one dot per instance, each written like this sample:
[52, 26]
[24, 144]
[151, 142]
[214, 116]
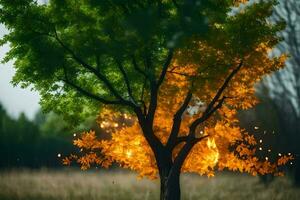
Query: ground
[123, 185]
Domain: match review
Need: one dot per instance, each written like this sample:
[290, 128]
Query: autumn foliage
[226, 146]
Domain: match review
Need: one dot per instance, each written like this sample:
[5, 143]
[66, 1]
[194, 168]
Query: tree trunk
[170, 186]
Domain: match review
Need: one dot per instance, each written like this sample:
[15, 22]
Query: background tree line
[41, 142]
[278, 115]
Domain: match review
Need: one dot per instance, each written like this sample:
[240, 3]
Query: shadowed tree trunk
[169, 178]
[170, 187]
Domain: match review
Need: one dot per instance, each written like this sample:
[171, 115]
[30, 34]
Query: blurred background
[32, 144]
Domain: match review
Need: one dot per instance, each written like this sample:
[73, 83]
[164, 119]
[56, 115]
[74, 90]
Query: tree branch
[177, 141]
[154, 88]
[137, 68]
[206, 116]
[181, 74]
[185, 150]
[93, 71]
[126, 79]
[165, 68]
[89, 94]
[210, 108]
[153, 102]
[223, 87]
[147, 130]
[177, 120]
[85, 92]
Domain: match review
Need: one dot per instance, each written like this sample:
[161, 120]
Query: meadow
[124, 185]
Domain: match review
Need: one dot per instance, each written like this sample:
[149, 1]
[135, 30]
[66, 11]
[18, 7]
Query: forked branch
[211, 108]
[191, 140]
[177, 121]
[183, 153]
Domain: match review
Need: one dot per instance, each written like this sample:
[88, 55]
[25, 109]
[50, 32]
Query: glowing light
[260, 148]
[128, 153]
[291, 163]
[59, 155]
[289, 154]
[269, 150]
[266, 158]
[137, 142]
[211, 143]
[116, 125]
[279, 154]
[201, 132]
[260, 141]
[214, 155]
[74, 134]
[118, 150]
[256, 127]
[102, 125]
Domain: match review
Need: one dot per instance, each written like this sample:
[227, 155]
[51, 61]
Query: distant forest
[41, 142]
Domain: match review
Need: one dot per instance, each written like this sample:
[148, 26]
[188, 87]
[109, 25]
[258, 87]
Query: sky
[14, 99]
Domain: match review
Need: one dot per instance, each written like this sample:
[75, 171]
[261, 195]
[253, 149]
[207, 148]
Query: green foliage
[78, 54]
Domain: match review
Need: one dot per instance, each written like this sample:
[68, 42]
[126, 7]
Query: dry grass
[107, 185]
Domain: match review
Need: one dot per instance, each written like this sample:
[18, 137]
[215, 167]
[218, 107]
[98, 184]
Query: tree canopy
[180, 69]
[100, 49]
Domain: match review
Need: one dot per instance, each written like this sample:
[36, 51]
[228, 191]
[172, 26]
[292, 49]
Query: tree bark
[170, 186]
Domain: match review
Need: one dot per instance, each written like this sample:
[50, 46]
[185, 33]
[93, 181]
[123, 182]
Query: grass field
[117, 185]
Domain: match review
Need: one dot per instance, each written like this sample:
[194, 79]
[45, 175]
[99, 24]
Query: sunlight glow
[128, 153]
[214, 156]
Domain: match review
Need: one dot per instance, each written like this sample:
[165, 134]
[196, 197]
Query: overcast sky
[15, 99]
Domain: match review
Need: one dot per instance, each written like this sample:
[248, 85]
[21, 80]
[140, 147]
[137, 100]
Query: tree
[180, 69]
[282, 88]
[24, 143]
